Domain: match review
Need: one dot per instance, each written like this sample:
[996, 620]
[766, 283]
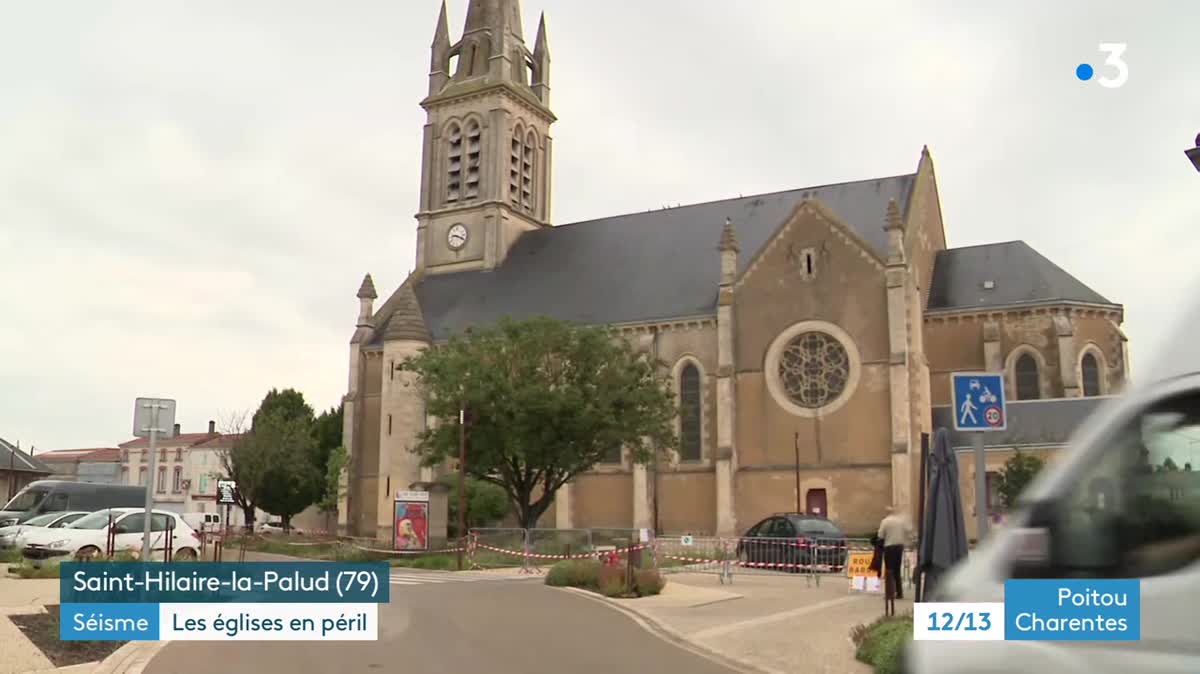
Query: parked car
[793, 540]
[47, 496]
[10, 536]
[275, 526]
[87, 537]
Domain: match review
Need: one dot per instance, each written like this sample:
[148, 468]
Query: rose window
[814, 369]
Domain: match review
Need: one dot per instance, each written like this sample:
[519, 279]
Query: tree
[487, 503]
[1018, 472]
[332, 487]
[1169, 465]
[546, 401]
[241, 465]
[290, 480]
[289, 403]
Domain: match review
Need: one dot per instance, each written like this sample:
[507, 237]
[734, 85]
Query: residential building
[18, 469]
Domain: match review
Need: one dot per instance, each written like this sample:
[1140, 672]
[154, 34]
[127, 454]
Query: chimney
[212, 427]
[176, 431]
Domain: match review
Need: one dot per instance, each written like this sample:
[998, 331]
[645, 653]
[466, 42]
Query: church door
[815, 503]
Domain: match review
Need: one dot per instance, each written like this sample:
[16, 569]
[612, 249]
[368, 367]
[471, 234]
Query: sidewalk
[19, 597]
[775, 623]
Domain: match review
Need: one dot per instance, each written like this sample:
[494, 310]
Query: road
[499, 627]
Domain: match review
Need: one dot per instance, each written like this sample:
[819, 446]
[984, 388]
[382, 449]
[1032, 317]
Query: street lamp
[1194, 153]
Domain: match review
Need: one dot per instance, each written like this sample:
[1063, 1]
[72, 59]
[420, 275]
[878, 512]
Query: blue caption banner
[1072, 610]
[224, 582]
[113, 622]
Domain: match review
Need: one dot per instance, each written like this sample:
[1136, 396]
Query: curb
[672, 636]
[131, 658]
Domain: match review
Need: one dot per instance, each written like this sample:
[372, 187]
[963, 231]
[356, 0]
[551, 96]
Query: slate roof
[19, 461]
[1019, 275]
[1030, 422]
[640, 266]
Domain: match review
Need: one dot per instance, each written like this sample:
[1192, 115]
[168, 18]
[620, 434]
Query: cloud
[190, 195]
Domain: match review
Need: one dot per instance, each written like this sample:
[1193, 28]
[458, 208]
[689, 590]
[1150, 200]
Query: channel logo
[1120, 70]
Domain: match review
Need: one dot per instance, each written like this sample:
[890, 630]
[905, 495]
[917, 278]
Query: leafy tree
[327, 434]
[332, 486]
[243, 466]
[290, 480]
[289, 403]
[487, 503]
[546, 401]
[1169, 465]
[1018, 472]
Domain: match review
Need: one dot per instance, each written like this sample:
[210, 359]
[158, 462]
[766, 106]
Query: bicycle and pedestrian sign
[979, 403]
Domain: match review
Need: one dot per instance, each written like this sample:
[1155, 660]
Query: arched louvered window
[454, 163]
[1028, 384]
[474, 156]
[689, 413]
[1090, 369]
[527, 172]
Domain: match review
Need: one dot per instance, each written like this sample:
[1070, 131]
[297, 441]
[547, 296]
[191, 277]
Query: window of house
[389, 424]
[1028, 384]
[689, 413]
[454, 157]
[203, 483]
[1131, 512]
[203, 458]
[124, 474]
[474, 155]
[124, 456]
[162, 479]
[162, 455]
[613, 455]
[179, 454]
[142, 476]
[177, 480]
[1090, 370]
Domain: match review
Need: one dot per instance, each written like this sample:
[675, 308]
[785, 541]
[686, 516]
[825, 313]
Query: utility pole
[462, 483]
[796, 443]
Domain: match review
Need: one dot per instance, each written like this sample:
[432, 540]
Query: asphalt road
[499, 627]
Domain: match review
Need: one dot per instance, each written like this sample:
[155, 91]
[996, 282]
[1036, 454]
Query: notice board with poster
[410, 530]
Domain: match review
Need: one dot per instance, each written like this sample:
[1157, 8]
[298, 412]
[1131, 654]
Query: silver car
[9, 535]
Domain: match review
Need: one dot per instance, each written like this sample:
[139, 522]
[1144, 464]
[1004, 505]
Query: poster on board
[411, 531]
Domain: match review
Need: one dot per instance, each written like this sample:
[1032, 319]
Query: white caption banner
[958, 621]
[268, 622]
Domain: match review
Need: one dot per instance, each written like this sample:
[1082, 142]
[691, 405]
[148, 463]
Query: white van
[1123, 502]
[206, 522]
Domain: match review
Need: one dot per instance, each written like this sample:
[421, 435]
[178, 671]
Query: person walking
[894, 531]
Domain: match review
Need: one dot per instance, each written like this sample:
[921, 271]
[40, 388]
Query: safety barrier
[530, 549]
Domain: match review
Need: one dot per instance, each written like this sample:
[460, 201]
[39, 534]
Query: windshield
[42, 520]
[26, 500]
[818, 528]
[97, 520]
[66, 520]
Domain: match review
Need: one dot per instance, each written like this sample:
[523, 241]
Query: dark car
[45, 496]
[793, 541]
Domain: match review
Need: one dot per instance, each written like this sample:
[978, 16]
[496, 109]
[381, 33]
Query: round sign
[993, 416]
[685, 540]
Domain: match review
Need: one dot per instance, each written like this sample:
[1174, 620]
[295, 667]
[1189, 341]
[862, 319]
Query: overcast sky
[190, 193]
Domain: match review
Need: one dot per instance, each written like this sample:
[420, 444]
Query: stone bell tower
[486, 158]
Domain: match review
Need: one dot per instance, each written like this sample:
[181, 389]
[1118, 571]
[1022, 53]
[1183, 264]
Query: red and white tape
[756, 565]
[584, 555]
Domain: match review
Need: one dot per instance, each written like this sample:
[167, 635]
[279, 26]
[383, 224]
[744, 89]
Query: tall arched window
[515, 165]
[1028, 386]
[1090, 370]
[527, 172]
[474, 154]
[689, 413]
[454, 157]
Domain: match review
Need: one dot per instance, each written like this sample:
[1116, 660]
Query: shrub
[648, 582]
[881, 644]
[584, 573]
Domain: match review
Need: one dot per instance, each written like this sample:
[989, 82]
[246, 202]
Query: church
[811, 332]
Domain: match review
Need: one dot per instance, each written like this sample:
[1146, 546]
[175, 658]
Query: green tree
[242, 465]
[1169, 465]
[332, 487]
[1018, 472]
[487, 503]
[290, 480]
[327, 436]
[289, 403]
[546, 401]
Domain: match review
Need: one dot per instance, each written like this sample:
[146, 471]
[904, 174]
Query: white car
[276, 527]
[87, 537]
[12, 536]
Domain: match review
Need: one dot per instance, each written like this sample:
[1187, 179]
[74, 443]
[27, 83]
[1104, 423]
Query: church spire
[439, 66]
[493, 43]
[494, 15]
[541, 63]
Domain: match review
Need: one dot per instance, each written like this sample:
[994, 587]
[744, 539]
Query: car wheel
[185, 555]
[87, 553]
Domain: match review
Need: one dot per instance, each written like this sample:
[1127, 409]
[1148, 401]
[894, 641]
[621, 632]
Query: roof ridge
[737, 198]
[988, 245]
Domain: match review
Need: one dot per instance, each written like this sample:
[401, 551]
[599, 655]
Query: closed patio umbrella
[944, 534]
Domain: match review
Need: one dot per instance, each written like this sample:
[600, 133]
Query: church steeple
[487, 153]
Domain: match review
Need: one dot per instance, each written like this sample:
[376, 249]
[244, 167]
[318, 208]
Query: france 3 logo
[1115, 62]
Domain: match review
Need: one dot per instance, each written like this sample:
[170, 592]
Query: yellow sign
[858, 564]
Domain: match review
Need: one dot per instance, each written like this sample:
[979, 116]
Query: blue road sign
[979, 401]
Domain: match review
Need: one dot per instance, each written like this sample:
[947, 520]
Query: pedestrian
[894, 531]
